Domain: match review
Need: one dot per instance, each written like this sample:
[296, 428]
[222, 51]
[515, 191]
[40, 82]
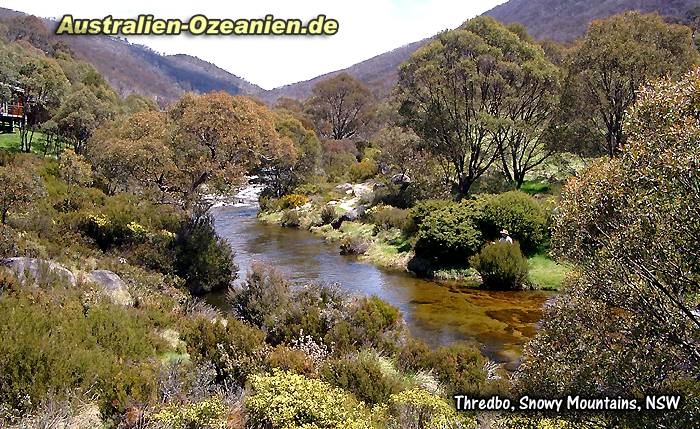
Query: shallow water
[439, 313]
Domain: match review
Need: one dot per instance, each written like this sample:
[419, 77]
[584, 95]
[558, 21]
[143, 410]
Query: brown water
[439, 313]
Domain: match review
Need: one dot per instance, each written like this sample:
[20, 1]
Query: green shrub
[53, 341]
[390, 217]
[520, 214]
[261, 298]
[449, 234]
[368, 322]
[501, 266]
[328, 214]
[293, 201]
[286, 400]
[201, 258]
[363, 376]
[424, 208]
[458, 367]
[290, 219]
[235, 348]
[417, 408]
[8, 242]
[363, 170]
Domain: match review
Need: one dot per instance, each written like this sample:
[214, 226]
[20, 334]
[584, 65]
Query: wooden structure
[12, 110]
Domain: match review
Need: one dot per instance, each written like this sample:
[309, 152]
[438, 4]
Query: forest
[586, 156]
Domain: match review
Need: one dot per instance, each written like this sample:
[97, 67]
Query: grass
[546, 273]
[533, 187]
[10, 142]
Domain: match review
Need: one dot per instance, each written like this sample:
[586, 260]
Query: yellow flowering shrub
[209, 413]
[410, 407]
[293, 201]
[289, 401]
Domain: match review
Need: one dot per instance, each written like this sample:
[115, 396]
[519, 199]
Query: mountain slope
[565, 20]
[560, 20]
[379, 73]
[136, 68]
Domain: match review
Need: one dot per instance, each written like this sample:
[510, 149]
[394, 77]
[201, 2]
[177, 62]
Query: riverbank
[381, 243]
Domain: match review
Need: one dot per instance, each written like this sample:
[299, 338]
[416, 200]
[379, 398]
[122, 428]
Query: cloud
[367, 28]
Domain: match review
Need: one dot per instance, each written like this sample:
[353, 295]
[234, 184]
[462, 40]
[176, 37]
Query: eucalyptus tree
[476, 95]
[618, 56]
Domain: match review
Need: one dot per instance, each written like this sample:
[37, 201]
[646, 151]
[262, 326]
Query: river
[438, 313]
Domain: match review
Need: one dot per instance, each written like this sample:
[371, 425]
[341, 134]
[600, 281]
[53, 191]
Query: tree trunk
[4, 215]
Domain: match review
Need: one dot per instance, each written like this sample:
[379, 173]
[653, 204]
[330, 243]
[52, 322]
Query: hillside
[379, 73]
[565, 20]
[136, 68]
[560, 20]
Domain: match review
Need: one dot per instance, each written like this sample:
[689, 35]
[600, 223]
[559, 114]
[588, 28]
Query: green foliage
[520, 214]
[235, 348]
[290, 219]
[363, 170]
[386, 217]
[363, 376]
[630, 226]
[449, 233]
[287, 401]
[369, 322]
[201, 258]
[619, 55]
[262, 296]
[424, 208]
[53, 341]
[501, 266]
[458, 367]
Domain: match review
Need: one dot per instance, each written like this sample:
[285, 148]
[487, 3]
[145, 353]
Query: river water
[438, 313]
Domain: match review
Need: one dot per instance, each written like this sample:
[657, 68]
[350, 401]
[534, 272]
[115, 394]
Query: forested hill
[135, 68]
[565, 20]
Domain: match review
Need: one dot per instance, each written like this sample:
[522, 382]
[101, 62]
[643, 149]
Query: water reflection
[499, 322]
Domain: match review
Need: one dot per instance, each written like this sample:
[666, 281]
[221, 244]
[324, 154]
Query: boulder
[400, 179]
[38, 270]
[111, 286]
[344, 187]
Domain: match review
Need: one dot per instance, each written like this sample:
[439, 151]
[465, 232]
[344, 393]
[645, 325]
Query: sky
[367, 28]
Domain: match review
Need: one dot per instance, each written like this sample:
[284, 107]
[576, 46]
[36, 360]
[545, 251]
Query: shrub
[350, 245]
[417, 408]
[286, 400]
[458, 367]
[520, 214]
[209, 413]
[424, 208]
[293, 201]
[449, 233]
[368, 322]
[291, 360]
[363, 376]
[235, 348]
[391, 217]
[501, 266]
[53, 341]
[361, 171]
[201, 258]
[290, 219]
[328, 214]
[8, 242]
[261, 298]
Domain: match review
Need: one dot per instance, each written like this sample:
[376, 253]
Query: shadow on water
[439, 313]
